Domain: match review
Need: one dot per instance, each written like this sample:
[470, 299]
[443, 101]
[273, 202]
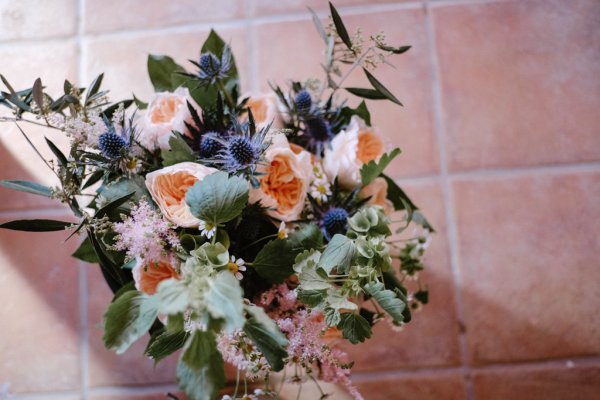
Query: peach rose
[350, 149]
[285, 181]
[377, 190]
[264, 109]
[167, 112]
[168, 187]
[148, 275]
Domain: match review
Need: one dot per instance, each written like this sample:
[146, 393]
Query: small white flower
[282, 233]
[207, 229]
[236, 267]
[320, 190]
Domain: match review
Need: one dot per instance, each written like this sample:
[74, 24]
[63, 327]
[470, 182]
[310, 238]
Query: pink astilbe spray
[308, 343]
[144, 234]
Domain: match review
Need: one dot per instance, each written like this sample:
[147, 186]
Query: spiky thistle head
[209, 146]
[115, 144]
[213, 69]
[335, 220]
[303, 101]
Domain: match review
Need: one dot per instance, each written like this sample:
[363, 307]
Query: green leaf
[354, 327]
[378, 86]
[114, 275]
[387, 299]
[275, 260]
[109, 111]
[332, 316]
[366, 93]
[94, 88]
[391, 282]
[162, 71]
[127, 319]
[179, 151]
[394, 50]
[267, 336]
[113, 205]
[27, 187]
[224, 300]
[59, 154]
[123, 187]
[399, 199]
[339, 26]
[36, 225]
[85, 252]
[200, 372]
[338, 301]
[338, 253]
[37, 93]
[164, 343]
[311, 279]
[218, 198]
[312, 298]
[422, 296]
[373, 169]
[361, 111]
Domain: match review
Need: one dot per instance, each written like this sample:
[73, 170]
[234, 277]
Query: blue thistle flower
[112, 145]
[242, 152]
[211, 68]
[319, 133]
[335, 220]
[209, 146]
[303, 101]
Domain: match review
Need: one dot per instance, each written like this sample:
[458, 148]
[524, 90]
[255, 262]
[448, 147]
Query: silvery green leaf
[127, 319]
[312, 298]
[173, 296]
[224, 300]
[387, 299]
[332, 316]
[218, 198]
[305, 258]
[27, 187]
[338, 253]
[214, 255]
[338, 301]
[311, 279]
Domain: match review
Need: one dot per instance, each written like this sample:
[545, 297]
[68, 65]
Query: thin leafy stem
[15, 120]
[36, 150]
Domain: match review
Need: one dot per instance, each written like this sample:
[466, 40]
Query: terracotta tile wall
[501, 140]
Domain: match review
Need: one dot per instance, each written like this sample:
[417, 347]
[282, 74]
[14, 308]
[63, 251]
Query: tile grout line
[240, 22]
[447, 198]
[82, 275]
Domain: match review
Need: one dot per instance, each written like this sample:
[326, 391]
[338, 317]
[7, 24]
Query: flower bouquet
[249, 229]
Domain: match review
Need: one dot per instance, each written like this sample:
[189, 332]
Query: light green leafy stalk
[127, 319]
[200, 372]
[218, 198]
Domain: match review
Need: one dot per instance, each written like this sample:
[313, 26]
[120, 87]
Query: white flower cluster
[320, 189]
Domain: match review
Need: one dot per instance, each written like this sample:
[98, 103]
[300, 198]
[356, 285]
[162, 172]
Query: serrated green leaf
[36, 225]
[332, 316]
[338, 253]
[275, 260]
[361, 111]
[205, 381]
[27, 187]
[340, 27]
[218, 198]
[338, 301]
[164, 343]
[179, 151]
[310, 279]
[312, 298]
[127, 319]
[373, 169]
[378, 86]
[224, 300]
[163, 73]
[267, 336]
[366, 93]
[387, 299]
[354, 327]
[85, 252]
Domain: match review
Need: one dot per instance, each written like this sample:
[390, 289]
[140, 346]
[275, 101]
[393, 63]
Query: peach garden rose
[167, 112]
[147, 275]
[168, 187]
[264, 110]
[285, 181]
[377, 191]
[350, 149]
